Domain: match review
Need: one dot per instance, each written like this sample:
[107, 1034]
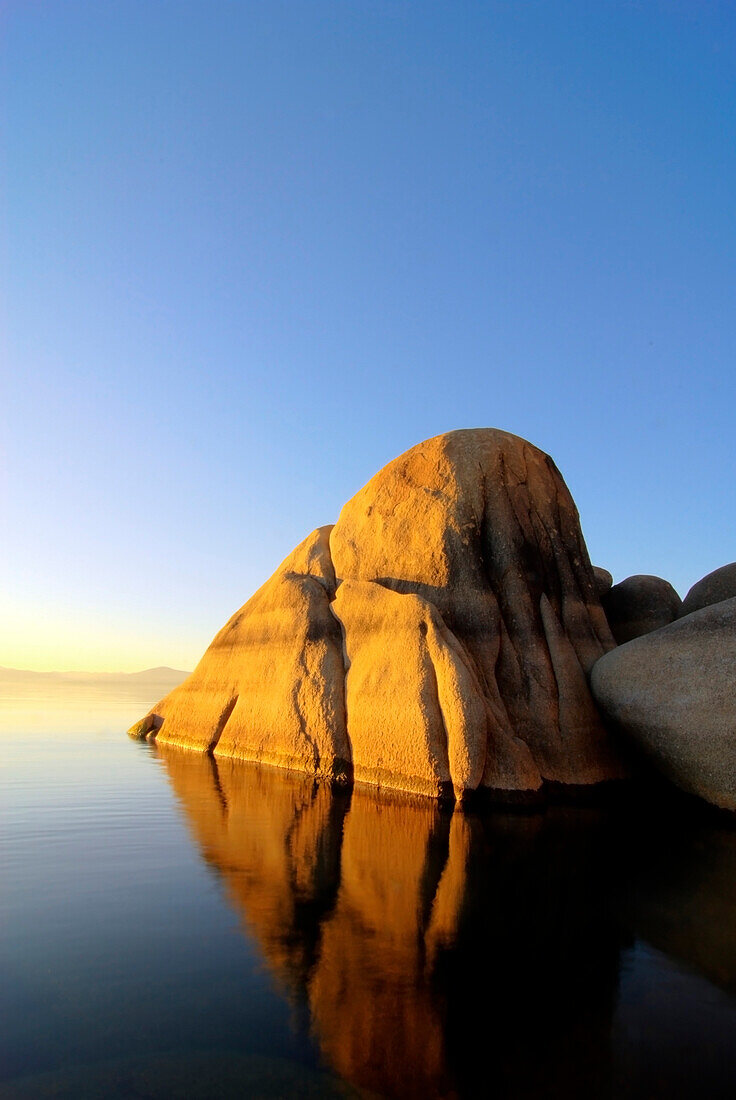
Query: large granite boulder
[638, 605]
[437, 639]
[674, 692]
[713, 588]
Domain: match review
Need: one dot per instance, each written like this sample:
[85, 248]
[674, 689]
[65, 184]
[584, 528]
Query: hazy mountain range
[151, 683]
[148, 675]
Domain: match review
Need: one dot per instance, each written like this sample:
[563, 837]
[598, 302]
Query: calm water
[175, 928]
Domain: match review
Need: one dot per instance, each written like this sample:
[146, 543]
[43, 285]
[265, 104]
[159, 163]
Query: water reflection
[681, 895]
[450, 954]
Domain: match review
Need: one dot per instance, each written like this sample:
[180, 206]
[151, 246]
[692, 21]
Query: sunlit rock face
[436, 954]
[435, 640]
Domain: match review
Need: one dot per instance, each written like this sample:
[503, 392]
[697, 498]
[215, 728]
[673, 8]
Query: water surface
[175, 926]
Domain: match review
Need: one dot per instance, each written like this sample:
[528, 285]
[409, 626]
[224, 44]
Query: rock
[481, 525]
[146, 728]
[674, 692]
[437, 639]
[270, 686]
[428, 701]
[638, 605]
[713, 588]
[603, 580]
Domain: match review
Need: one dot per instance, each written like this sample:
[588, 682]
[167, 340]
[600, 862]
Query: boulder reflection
[451, 954]
[681, 896]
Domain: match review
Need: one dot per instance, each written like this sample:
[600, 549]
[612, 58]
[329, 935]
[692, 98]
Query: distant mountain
[158, 673]
[162, 674]
[147, 686]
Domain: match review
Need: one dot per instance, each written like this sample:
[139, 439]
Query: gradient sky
[253, 251]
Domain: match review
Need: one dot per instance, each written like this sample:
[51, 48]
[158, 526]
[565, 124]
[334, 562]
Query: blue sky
[252, 251]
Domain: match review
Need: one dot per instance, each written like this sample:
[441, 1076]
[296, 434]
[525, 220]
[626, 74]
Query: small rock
[715, 587]
[603, 580]
[638, 605]
[146, 728]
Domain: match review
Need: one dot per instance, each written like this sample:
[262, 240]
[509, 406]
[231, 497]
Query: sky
[252, 251]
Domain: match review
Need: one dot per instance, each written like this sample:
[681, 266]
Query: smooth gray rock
[638, 605]
[674, 692]
[713, 588]
[603, 580]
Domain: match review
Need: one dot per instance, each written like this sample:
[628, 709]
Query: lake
[177, 927]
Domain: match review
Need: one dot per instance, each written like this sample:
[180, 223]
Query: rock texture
[674, 692]
[270, 686]
[407, 675]
[715, 587]
[639, 605]
[436, 639]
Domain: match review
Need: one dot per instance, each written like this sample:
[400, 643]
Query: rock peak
[436, 639]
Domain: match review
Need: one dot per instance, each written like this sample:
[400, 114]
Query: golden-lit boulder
[270, 686]
[437, 639]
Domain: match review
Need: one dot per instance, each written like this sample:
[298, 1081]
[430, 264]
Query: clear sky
[254, 250]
